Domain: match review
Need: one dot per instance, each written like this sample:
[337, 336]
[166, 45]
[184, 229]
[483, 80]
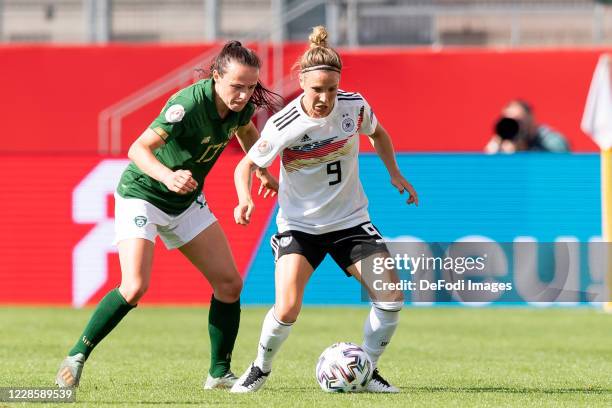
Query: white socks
[377, 332]
[273, 334]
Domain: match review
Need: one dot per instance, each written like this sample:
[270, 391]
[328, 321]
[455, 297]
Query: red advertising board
[57, 235]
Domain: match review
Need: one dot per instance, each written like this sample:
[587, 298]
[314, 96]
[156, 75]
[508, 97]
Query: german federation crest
[348, 125]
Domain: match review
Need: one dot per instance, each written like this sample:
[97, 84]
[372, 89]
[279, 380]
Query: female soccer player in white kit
[323, 209]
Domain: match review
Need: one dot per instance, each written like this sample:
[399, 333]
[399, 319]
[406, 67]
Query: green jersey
[194, 136]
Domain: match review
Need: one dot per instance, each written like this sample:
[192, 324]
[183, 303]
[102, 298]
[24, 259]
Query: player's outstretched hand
[269, 184]
[242, 213]
[402, 185]
[180, 181]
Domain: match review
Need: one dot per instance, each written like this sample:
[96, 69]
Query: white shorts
[136, 218]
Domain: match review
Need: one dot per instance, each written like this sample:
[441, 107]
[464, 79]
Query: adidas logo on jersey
[305, 139]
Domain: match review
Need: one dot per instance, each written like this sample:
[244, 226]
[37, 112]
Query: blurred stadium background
[82, 79]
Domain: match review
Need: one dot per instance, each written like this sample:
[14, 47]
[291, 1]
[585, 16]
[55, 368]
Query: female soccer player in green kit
[160, 193]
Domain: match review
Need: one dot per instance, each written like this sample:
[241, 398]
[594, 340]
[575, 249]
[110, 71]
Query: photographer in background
[517, 130]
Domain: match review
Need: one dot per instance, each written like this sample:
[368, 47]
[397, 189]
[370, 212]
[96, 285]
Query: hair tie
[233, 44]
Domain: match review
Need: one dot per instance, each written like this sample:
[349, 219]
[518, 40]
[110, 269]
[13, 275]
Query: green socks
[109, 312]
[223, 322]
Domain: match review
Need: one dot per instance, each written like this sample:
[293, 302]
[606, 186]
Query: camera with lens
[507, 128]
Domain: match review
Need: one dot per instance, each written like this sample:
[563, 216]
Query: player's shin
[223, 323]
[109, 312]
[380, 324]
[273, 334]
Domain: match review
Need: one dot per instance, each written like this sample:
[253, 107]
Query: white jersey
[320, 190]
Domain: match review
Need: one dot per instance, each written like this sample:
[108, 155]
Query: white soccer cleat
[224, 382]
[69, 373]
[379, 384]
[252, 380]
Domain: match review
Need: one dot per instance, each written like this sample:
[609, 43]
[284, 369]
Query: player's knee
[132, 292]
[228, 291]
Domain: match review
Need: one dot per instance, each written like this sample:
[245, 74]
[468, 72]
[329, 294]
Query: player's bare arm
[384, 148]
[141, 153]
[242, 181]
[247, 136]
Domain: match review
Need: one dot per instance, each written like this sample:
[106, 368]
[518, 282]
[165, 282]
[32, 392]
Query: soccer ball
[344, 367]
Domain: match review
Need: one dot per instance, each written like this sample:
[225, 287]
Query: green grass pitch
[440, 357]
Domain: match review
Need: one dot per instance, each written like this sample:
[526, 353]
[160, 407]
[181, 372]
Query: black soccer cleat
[379, 384]
[252, 380]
